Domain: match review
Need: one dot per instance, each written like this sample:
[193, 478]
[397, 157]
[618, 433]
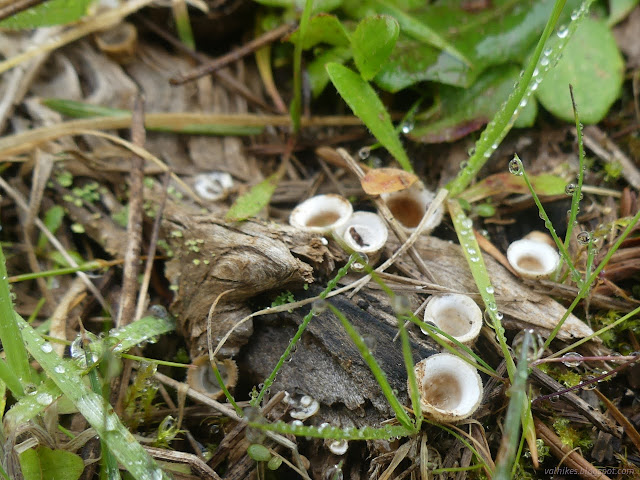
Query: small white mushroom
[203, 378]
[532, 259]
[409, 206]
[322, 213]
[365, 232]
[450, 389]
[455, 314]
[213, 185]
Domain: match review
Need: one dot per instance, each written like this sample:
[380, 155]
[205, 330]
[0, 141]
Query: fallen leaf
[386, 180]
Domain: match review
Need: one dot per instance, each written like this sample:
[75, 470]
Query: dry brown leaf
[386, 180]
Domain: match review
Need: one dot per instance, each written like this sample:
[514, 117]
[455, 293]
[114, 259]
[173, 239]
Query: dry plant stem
[196, 463]
[126, 311]
[151, 253]
[593, 415]
[388, 216]
[605, 149]
[17, 6]
[58, 328]
[225, 78]
[20, 202]
[86, 26]
[232, 56]
[628, 427]
[229, 412]
[27, 140]
[572, 459]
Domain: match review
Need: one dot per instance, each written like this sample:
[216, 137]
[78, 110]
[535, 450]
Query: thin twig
[127, 307]
[232, 56]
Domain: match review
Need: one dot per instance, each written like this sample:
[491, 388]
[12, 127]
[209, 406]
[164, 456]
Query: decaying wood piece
[521, 306]
[327, 366]
[211, 257]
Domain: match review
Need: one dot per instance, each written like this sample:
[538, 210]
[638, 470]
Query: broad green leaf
[318, 5]
[322, 28]
[318, 76]
[466, 110]
[364, 102]
[250, 204]
[504, 33]
[372, 43]
[419, 31]
[42, 463]
[505, 182]
[594, 66]
[53, 12]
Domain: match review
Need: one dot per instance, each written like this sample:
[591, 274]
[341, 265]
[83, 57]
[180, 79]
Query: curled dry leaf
[387, 180]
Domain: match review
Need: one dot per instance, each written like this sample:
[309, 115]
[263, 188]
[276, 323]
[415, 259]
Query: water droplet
[572, 359]
[334, 473]
[583, 238]
[46, 348]
[44, 399]
[523, 103]
[534, 86]
[467, 223]
[490, 290]
[487, 319]
[407, 127]
[401, 305]
[499, 315]
[492, 306]
[364, 153]
[515, 166]
[554, 398]
[535, 350]
[544, 61]
[575, 14]
[339, 447]
[474, 259]
[297, 424]
[570, 188]
[359, 261]
[319, 306]
[487, 154]
[563, 31]
[59, 369]
[463, 164]
[547, 52]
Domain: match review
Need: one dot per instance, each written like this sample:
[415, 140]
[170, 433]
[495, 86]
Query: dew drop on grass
[570, 188]
[583, 238]
[339, 447]
[535, 349]
[572, 359]
[515, 166]
[359, 261]
[44, 399]
[490, 290]
[59, 369]
[319, 306]
[46, 348]
[407, 127]
[364, 153]
[554, 398]
[544, 61]
[563, 31]
[575, 14]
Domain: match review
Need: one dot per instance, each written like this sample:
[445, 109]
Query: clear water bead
[570, 188]
[46, 348]
[359, 261]
[319, 306]
[563, 31]
[572, 359]
[590, 386]
[536, 346]
[515, 166]
[364, 153]
[583, 238]
[490, 290]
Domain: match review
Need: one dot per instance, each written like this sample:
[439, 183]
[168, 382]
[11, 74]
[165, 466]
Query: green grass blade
[335, 433]
[419, 31]
[295, 109]
[379, 375]
[100, 415]
[15, 351]
[53, 12]
[414, 392]
[510, 440]
[471, 250]
[366, 105]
